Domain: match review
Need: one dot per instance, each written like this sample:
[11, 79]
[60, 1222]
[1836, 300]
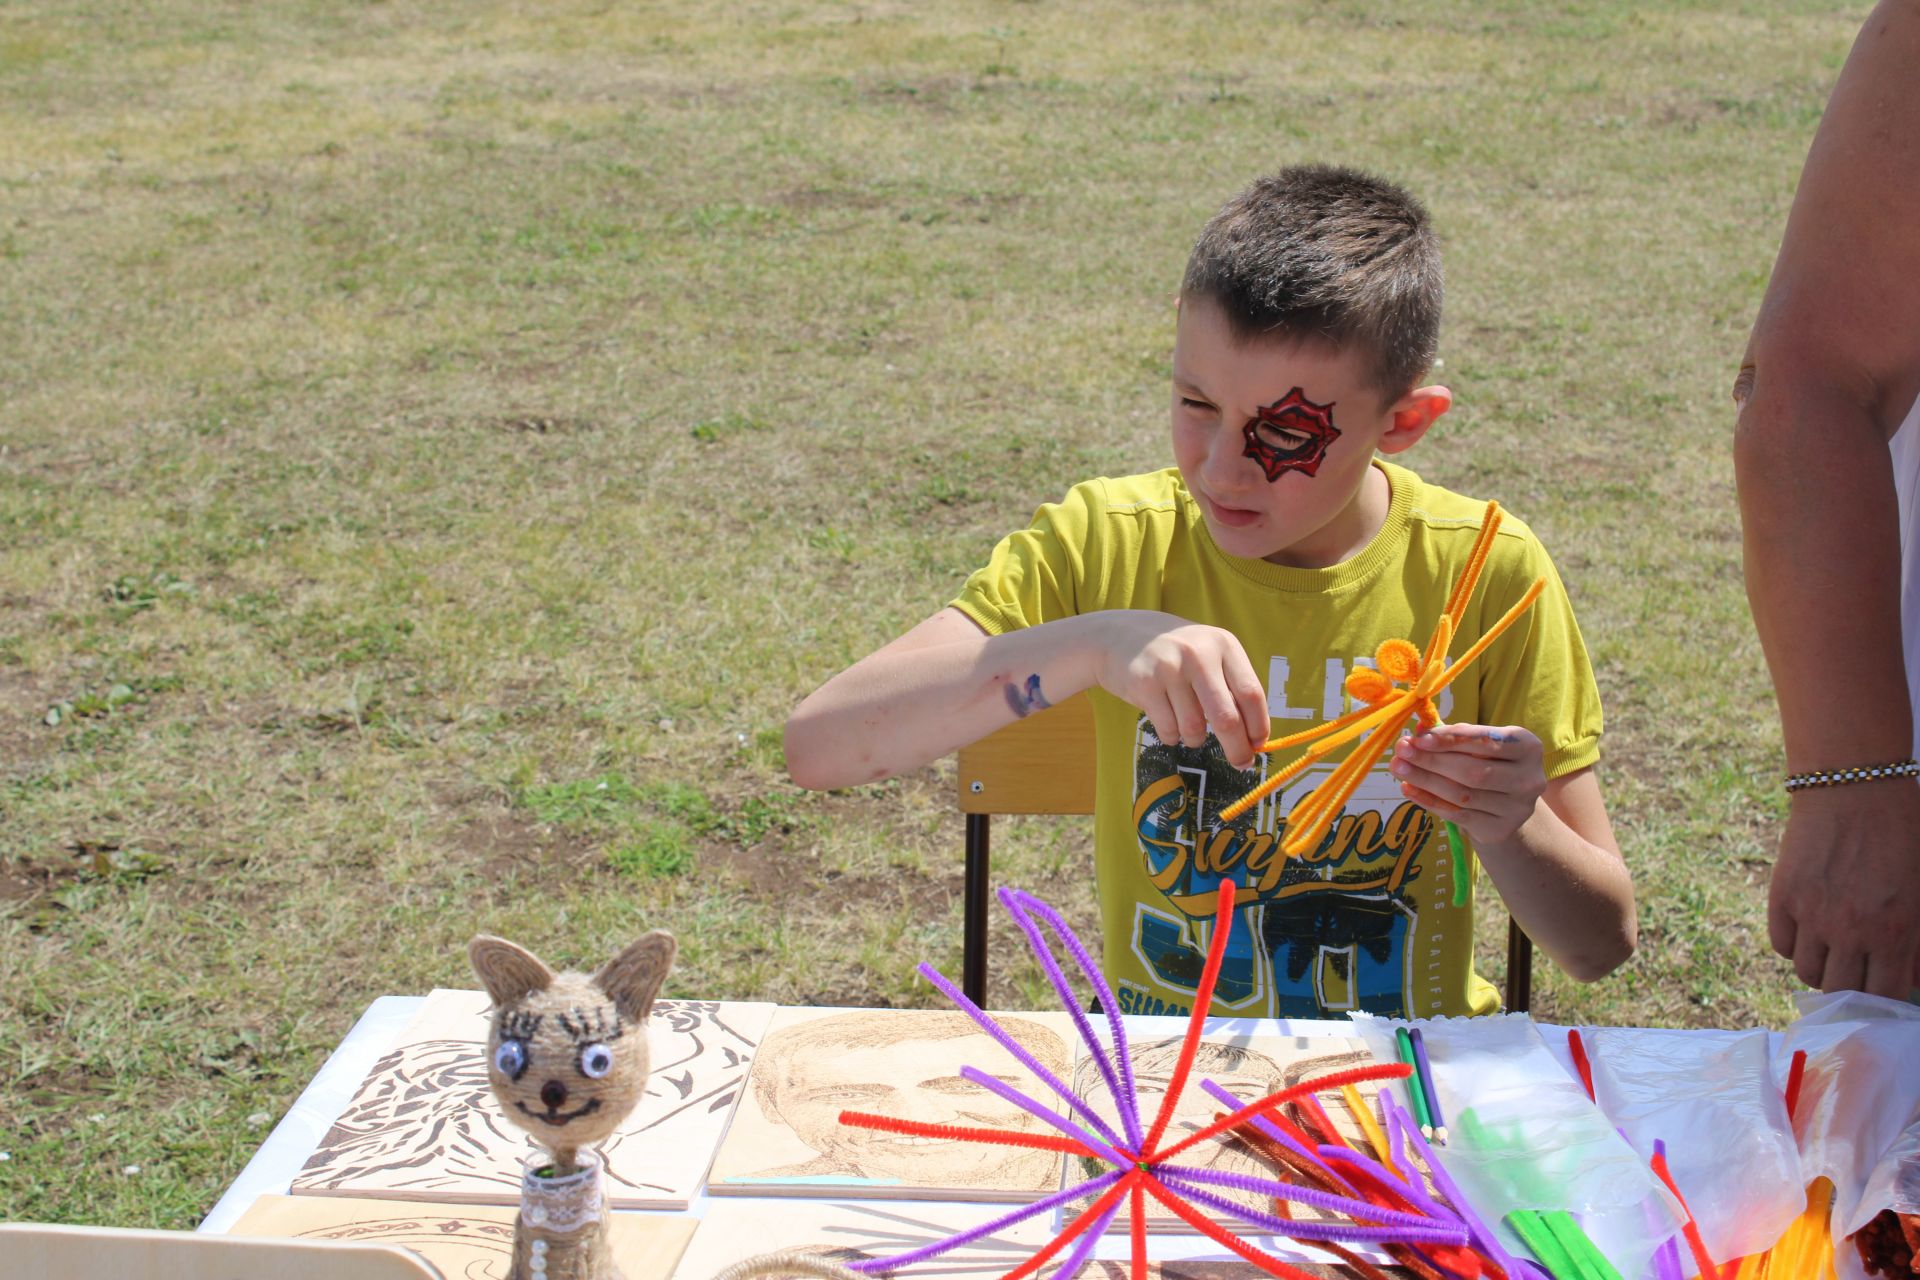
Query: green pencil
[1416, 1096]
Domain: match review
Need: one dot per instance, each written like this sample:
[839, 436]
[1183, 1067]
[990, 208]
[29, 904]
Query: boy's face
[1276, 439]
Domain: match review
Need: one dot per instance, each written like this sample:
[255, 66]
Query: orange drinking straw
[1386, 706]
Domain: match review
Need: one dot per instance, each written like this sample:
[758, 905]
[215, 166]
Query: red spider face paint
[1291, 434]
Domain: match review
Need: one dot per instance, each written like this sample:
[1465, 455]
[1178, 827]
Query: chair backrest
[50, 1252]
[1044, 764]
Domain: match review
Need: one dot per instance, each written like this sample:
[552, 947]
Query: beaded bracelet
[1859, 773]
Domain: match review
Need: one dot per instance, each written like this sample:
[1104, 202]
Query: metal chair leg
[1519, 969]
[973, 961]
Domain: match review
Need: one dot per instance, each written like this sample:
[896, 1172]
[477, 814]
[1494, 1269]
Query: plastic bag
[1522, 1135]
[1858, 1118]
[1715, 1102]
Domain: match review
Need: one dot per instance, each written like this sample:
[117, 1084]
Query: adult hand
[1185, 677]
[1844, 905]
[1484, 780]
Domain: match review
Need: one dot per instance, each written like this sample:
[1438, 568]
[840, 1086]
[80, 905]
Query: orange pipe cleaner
[1386, 706]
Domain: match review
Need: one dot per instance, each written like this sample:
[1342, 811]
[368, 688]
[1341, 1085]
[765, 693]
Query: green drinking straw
[1457, 856]
[1543, 1244]
[1586, 1255]
[1557, 1242]
[1415, 1094]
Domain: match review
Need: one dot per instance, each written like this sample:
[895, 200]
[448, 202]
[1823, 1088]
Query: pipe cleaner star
[1143, 1161]
[1386, 706]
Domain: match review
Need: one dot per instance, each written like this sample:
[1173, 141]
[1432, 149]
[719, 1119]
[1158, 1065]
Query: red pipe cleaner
[1212, 1230]
[1086, 1218]
[919, 1129]
[1332, 1080]
[1689, 1228]
[1796, 1075]
[1581, 1063]
[1202, 1001]
[1137, 1206]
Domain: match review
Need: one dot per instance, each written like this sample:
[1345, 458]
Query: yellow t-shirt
[1367, 920]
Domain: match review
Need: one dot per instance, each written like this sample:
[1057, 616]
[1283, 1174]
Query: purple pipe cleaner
[1019, 1051]
[1222, 1095]
[1018, 905]
[1085, 1244]
[1669, 1261]
[1482, 1236]
[1434, 1233]
[1311, 1196]
[1001, 1089]
[1411, 1188]
[1093, 1185]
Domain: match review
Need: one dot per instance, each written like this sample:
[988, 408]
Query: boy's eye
[1188, 402]
[510, 1059]
[595, 1061]
[1278, 437]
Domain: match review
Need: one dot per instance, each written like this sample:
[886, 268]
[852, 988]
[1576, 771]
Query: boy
[1277, 544]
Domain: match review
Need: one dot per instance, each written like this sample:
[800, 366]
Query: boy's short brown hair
[1320, 251]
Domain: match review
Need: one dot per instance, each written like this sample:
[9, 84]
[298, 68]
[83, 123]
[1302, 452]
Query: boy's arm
[1832, 366]
[947, 683]
[1546, 843]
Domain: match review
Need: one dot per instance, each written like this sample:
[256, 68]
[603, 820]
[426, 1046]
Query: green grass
[420, 416]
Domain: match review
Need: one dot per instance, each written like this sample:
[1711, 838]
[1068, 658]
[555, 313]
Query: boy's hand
[1485, 781]
[1185, 677]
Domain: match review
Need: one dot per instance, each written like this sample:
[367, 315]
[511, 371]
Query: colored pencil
[1416, 1094]
[1425, 1068]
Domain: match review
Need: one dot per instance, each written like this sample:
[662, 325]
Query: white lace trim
[566, 1204]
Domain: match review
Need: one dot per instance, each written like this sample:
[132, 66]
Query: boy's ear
[509, 971]
[1412, 414]
[632, 978]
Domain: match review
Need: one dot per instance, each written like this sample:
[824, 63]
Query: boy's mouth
[1232, 517]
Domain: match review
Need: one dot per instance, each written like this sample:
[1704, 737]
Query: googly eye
[510, 1059]
[595, 1061]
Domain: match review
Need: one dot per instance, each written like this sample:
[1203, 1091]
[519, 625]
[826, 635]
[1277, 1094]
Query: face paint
[1291, 434]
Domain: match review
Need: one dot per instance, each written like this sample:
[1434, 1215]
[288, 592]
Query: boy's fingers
[1223, 715]
[1433, 804]
[1473, 772]
[1251, 700]
[1456, 796]
[1477, 740]
[1191, 720]
[1159, 713]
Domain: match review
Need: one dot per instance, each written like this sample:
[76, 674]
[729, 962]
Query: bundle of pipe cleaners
[1385, 709]
[1385, 1197]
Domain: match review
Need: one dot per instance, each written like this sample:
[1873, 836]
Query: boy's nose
[1227, 460]
[553, 1094]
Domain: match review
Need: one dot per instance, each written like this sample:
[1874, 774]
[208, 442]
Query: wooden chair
[1044, 764]
[48, 1252]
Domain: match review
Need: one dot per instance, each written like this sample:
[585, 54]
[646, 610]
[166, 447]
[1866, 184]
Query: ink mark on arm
[1029, 700]
[1291, 434]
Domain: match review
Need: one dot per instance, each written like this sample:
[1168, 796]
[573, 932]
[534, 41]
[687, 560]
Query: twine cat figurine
[567, 1058]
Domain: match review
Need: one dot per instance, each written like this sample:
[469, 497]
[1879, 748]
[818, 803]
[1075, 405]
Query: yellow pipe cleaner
[1385, 707]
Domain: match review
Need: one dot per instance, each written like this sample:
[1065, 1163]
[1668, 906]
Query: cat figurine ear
[510, 971]
[632, 978]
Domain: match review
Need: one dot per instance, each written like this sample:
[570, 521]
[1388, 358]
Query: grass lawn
[439, 444]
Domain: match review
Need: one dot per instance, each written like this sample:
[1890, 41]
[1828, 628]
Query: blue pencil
[1425, 1069]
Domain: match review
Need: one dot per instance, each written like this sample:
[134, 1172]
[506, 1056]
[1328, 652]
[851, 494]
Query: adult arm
[1832, 366]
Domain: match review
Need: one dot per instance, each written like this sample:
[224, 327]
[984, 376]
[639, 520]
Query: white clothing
[1905, 447]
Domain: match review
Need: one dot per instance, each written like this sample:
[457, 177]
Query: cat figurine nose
[553, 1094]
